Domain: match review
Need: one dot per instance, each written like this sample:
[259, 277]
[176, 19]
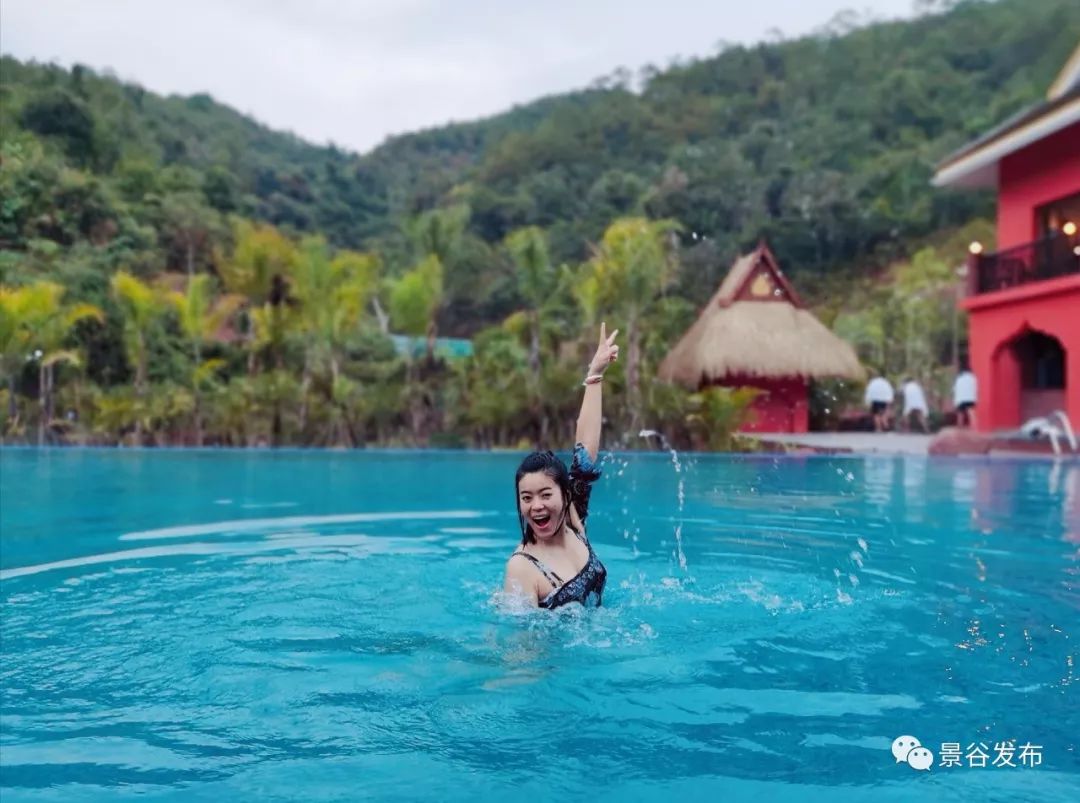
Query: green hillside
[835, 133]
[824, 145]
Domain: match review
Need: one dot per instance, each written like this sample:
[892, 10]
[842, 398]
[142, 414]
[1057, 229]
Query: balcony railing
[1049, 258]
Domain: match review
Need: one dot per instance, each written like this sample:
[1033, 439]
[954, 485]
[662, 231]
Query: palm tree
[415, 299]
[438, 232]
[141, 305]
[259, 269]
[630, 269]
[539, 284]
[13, 343]
[332, 294]
[414, 304]
[35, 318]
[201, 316]
[490, 405]
[537, 281]
[436, 237]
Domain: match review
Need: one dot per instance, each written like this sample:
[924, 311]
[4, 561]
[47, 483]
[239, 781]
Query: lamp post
[36, 356]
[961, 276]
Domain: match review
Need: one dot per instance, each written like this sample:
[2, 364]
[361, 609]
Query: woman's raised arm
[590, 417]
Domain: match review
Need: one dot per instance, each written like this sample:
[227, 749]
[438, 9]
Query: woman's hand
[606, 352]
[589, 419]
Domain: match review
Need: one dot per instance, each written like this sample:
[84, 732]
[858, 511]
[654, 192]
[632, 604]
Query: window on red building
[1051, 217]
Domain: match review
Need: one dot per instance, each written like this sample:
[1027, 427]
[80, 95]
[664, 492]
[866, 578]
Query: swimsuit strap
[553, 578]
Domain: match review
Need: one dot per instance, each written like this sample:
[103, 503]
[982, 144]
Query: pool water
[201, 625]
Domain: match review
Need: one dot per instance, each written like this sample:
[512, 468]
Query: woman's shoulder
[518, 565]
[520, 579]
[520, 561]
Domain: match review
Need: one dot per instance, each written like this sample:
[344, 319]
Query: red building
[1023, 301]
[756, 332]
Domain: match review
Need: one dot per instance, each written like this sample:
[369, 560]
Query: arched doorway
[1030, 373]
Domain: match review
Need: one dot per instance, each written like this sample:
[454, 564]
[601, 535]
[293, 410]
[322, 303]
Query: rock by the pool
[955, 441]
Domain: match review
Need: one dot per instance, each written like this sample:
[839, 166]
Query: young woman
[555, 563]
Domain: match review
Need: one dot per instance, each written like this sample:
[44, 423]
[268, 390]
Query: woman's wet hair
[545, 463]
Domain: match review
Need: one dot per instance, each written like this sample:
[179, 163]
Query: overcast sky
[356, 71]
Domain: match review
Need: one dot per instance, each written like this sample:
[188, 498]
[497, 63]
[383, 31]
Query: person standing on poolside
[879, 398]
[915, 407]
[965, 394]
[553, 503]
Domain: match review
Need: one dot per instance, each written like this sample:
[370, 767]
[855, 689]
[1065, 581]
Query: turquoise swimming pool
[199, 625]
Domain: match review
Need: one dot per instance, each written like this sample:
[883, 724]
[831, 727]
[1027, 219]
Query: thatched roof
[756, 326]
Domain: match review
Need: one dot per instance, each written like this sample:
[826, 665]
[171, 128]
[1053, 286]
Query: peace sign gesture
[606, 352]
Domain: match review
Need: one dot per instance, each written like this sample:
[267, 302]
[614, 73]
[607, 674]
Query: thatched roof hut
[756, 326]
[756, 332]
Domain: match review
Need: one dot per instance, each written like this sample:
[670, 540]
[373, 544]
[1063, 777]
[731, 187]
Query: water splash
[652, 433]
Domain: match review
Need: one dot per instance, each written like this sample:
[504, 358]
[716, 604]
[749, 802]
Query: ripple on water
[304, 655]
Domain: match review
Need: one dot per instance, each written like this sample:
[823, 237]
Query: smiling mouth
[541, 521]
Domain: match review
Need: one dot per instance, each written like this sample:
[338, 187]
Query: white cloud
[356, 72]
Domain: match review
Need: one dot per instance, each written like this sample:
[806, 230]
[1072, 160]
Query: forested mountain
[823, 144]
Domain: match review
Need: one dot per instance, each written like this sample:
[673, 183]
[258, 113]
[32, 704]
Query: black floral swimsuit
[587, 586]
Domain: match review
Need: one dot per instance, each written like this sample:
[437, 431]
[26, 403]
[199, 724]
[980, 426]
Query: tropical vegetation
[173, 272]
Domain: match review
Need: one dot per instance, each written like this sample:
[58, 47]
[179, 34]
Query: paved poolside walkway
[862, 442]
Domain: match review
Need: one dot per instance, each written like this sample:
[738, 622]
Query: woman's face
[540, 502]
